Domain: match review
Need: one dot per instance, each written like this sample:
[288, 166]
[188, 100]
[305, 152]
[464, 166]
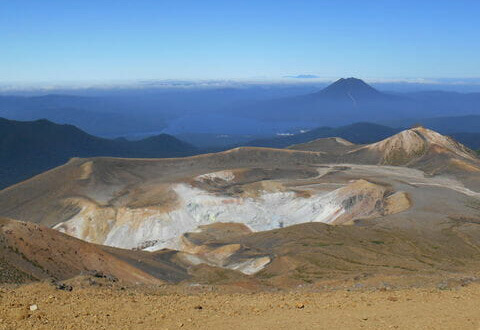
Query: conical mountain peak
[350, 89]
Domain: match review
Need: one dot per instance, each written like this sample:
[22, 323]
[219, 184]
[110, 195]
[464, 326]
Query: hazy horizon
[466, 85]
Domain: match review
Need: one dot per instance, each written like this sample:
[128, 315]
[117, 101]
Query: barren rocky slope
[30, 252]
[244, 210]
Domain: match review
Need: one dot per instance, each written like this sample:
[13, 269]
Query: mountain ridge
[46, 145]
[361, 132]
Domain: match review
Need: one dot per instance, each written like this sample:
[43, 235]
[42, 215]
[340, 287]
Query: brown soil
[101, 305]
[31, 252]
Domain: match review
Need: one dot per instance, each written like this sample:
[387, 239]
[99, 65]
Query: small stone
[33, 307]
[300, 306]
[365, 318]
[198, 307]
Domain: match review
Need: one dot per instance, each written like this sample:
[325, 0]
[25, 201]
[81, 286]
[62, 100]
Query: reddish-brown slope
[30, 252]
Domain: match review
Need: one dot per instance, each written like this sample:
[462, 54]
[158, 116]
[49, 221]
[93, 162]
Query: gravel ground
[112, 306]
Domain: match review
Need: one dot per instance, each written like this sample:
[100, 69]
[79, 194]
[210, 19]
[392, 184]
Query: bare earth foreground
[97, 304]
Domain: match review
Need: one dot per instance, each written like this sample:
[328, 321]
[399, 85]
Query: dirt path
[103, 307]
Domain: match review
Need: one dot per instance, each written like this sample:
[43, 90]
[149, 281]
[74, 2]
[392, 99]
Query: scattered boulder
[98, 274]
[65, 287]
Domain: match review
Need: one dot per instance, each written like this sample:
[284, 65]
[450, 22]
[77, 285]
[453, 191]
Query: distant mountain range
[29, 148]
[95, 115]
[243, 111]
[465, 129]
[352, 100]
[447, 103]
[339, 110]
[445, 125]
[343, 102]
[359, 133]
[471, 140]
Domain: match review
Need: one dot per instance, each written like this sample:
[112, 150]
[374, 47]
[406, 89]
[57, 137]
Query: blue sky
[128, 40]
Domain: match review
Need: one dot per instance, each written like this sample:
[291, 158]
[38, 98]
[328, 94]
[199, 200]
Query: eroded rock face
[154, 228]
[203, 246]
